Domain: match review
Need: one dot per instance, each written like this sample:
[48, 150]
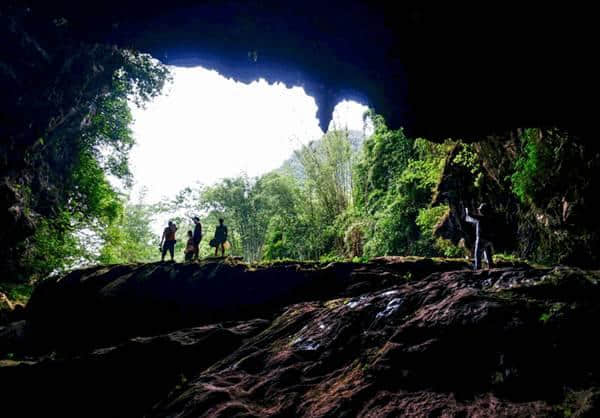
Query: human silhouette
[190, 247]
[197, 237]
[220, 237]
[483, 246]
[168, 238]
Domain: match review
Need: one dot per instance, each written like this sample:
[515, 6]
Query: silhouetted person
[168, 237]
[190, 247]
[197, 237]
[483, 246]
[220, 238]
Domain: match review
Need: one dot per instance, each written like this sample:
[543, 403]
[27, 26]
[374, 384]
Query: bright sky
[207, 127]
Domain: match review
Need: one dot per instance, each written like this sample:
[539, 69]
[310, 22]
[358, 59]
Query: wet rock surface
[122, 380]
[394, 337]
[103, 305]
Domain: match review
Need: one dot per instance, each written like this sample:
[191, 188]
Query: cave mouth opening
[206, 127]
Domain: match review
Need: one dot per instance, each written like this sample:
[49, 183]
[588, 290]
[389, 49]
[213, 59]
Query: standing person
[197, 237]
[190, 247]
[220, 237]
[483, 246]
[168, 237]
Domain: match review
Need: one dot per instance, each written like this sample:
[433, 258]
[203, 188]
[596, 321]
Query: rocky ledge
[392, 337]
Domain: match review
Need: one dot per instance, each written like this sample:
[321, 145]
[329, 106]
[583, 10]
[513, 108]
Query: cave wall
[450, 70]
[557, 225]
[49, 80]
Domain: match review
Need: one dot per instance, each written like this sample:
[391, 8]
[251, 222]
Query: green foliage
[363, 259]
[428, 218]
[552, 312]
[331, 258]
[140, 77]
[510, 258]
[393, 203]
[61, 241]
[53, 248]
[109, 136]
[237, 201]
[354, 238]
[385, 156]
[82, 212]
[315, 225]
[531, 166]
[344, 206]
[468, 158]
[249, 206]
[16, 292]
[554, 178]
[92, 195]
[130, 238]
[328, 168]
[388, 211]
[549, 162]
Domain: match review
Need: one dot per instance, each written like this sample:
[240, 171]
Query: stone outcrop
[559, 224]
[413, 337]
[102, 305]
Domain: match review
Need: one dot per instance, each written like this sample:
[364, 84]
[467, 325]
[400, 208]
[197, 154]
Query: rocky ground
[393, 337]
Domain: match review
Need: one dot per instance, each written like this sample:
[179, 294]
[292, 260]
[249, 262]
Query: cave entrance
[206, 127]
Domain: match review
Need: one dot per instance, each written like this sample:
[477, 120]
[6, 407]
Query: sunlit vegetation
[332, 200]
[76, 211]
[337, 198]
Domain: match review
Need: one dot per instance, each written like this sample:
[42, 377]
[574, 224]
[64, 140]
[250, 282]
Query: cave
[469, 103]
[471, 73]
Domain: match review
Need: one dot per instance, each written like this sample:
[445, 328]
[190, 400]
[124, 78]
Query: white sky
[207, 127]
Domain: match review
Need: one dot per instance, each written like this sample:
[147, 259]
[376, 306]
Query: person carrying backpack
[190, 248]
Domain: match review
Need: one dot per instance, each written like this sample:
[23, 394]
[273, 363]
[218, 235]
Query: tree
[130, 238]
[385, 155]
[69, 191]
[395, 178]
[327, 191]
[328, 168]
[249, 205]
